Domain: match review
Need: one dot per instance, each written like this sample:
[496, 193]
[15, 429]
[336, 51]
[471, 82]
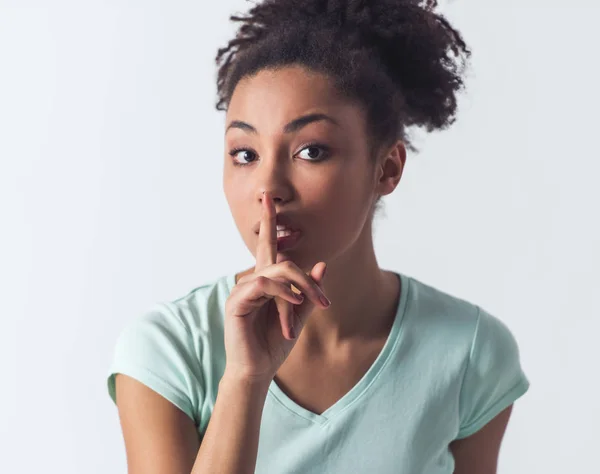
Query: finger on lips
[266, 252]
[266, 256]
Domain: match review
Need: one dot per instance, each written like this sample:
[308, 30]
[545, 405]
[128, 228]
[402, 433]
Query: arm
[478, 453]
[160, 438]
[230, 444]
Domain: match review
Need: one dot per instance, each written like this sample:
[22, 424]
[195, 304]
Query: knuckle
[280, 279]
[234, 291]
[261, 281]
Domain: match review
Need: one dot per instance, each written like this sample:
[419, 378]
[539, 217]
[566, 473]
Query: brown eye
[313, 153]
[244, 155]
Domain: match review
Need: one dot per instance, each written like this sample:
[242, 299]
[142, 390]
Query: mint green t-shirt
[447, 368]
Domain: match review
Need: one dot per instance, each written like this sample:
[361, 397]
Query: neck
[363, 299]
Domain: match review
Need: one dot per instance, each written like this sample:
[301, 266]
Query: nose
[272, 176]
[276, 199]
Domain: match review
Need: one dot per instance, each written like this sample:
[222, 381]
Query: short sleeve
[156, 349]
[493, 379]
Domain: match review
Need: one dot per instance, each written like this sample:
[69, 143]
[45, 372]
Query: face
[289, 132]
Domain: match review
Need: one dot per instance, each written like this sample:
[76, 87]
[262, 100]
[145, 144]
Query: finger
[290, 273]
[317, 274]
[266, 251]
[286, 317]
[253, 294]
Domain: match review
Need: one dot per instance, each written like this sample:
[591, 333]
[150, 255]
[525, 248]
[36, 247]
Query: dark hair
[398, 58]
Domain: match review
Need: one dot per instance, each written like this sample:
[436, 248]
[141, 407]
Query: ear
[389, 168]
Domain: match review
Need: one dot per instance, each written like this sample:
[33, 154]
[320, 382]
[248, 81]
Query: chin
[305, 264]
[281, 257]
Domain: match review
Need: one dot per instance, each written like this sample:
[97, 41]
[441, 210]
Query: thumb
[318, 273]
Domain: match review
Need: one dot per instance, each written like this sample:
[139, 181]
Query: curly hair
[399, 59]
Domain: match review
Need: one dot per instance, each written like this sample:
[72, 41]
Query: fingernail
[324, 271]
[325, 301]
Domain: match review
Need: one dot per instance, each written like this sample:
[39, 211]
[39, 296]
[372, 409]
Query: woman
[368, 370]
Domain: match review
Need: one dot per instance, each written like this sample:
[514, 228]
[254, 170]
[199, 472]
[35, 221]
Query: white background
[111, 199]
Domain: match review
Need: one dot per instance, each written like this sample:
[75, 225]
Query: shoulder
[471, 349]
[176, 347]
[464, 333]
[450, 320]
[184, 318]
[200, 309]
[441, 314]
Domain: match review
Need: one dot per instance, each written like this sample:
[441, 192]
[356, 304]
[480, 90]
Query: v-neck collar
[361, 387]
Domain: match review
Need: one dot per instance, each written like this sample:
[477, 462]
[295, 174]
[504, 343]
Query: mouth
[283, 223]
[286, 240]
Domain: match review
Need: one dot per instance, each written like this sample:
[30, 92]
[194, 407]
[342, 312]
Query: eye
[314, 152]
[245, 154]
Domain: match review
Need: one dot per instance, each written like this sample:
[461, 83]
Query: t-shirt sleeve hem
[513, 394]
[152, 381]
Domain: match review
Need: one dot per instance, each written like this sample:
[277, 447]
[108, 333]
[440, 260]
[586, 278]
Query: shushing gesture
[263, 315]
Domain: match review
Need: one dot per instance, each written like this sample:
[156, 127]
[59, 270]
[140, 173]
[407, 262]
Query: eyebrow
[291, 127]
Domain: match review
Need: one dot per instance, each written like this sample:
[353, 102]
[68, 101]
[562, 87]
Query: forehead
[273, 97]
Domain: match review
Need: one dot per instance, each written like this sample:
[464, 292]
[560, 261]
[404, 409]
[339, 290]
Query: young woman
[316, 360]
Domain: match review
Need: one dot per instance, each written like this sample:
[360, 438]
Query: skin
[332, 202]
[479, 452]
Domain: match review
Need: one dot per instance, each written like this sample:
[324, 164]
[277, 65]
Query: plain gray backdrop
[111, 199]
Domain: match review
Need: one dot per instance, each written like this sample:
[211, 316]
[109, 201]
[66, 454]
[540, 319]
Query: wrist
[238, 379]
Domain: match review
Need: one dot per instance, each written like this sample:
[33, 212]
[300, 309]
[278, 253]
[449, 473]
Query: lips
[280, 219]
[289, 241]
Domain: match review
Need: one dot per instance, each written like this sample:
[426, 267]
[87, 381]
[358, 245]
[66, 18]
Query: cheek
[345, 208]
[351, 185]
[344, 205]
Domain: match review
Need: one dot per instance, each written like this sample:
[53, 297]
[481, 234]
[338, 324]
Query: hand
[263, 310]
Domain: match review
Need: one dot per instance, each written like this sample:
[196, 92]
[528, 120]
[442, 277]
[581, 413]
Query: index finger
[266, 250]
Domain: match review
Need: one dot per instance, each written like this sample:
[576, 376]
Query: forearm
[230, 443]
